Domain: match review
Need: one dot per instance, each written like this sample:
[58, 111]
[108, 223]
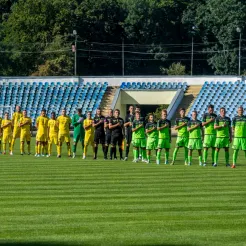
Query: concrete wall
[147, 97]
[116, 81]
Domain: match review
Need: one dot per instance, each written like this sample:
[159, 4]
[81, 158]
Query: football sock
[216, 157]
[29, 147]
[127, 150]
[205, 155]
[144, 156]
[85, 150]
[114, 152]
[234, 158]
[49, 148]
[4, 147]
[111, 152]
[36, 148]
[213, 153]
[186, 154]
[10, 147]
[166, 156]
[200, 159]
[120, 150]
[22, 147]
[148, 156]
[69, 150]
[96, 148]
[189, 159]
[105, 151]
[175, 154]
[74, 147]
[227, 157]
[13, 143]
[158, 156]
[135, 153]
[39, 149]
[59, 149]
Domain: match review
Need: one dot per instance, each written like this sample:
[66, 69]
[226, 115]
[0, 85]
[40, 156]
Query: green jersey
[195, 133]
[150, 126]
[182, 132]
[239, 125]
[77, 122]
[223, 132]
[209, 128]
[165, 132]
[140, 133]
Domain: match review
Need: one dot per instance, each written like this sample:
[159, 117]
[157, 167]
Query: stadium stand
[221, 94]
[153, 85]
[52, 96]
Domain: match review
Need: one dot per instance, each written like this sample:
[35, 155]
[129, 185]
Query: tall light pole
[192, 49]
[239, 50]
[75, 52]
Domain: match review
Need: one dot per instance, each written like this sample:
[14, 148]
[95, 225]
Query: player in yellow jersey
[15, 122]
[63, 123]
[89, 133]
[52, 133]
[6, 127]
[25, 124]
[42, 133]
[0, 135]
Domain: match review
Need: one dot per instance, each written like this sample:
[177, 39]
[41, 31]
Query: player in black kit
[108, 133]
[116, 125]
[99, 137]
[128, 129]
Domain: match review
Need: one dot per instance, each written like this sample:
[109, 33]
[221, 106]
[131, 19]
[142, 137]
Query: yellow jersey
[53, 128]
[64, 123]
[27, 127]
[6, 130]
[42, 123]
[15, 119]
[89, 130]
[1, 124]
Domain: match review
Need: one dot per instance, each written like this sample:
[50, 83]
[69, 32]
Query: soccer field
[85, 202]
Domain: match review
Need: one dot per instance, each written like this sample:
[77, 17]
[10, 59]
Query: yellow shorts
[89, 140]
[7, 139]
[64, 137]
[16, 132]
[53, 139]
[25, 136]
[41, 138]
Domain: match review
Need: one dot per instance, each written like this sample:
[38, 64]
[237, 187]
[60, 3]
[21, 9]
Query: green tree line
[36, 37]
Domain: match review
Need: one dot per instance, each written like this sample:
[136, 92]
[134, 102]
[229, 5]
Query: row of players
[215, 132]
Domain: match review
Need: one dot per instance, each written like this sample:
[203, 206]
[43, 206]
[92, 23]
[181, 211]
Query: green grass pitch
[52, 201]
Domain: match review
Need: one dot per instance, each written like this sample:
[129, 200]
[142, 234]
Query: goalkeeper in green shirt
[138, 140]
[195, 137]
[152, 136]
[183, 135]
[79, 132]
[164, 136]
[222, 126]
[239, 128]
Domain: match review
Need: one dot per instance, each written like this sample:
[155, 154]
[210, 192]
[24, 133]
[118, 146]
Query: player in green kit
[139, 141]
[79, 132]
[222, 126]
[239, 128]
[183, 135]
[164, 136]
[195, 137]
[209, 133]
[152, 136]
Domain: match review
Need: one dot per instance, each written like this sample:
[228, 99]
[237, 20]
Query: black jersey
[129, 118]
[100, 127]
[117, 130]
[107, 120]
